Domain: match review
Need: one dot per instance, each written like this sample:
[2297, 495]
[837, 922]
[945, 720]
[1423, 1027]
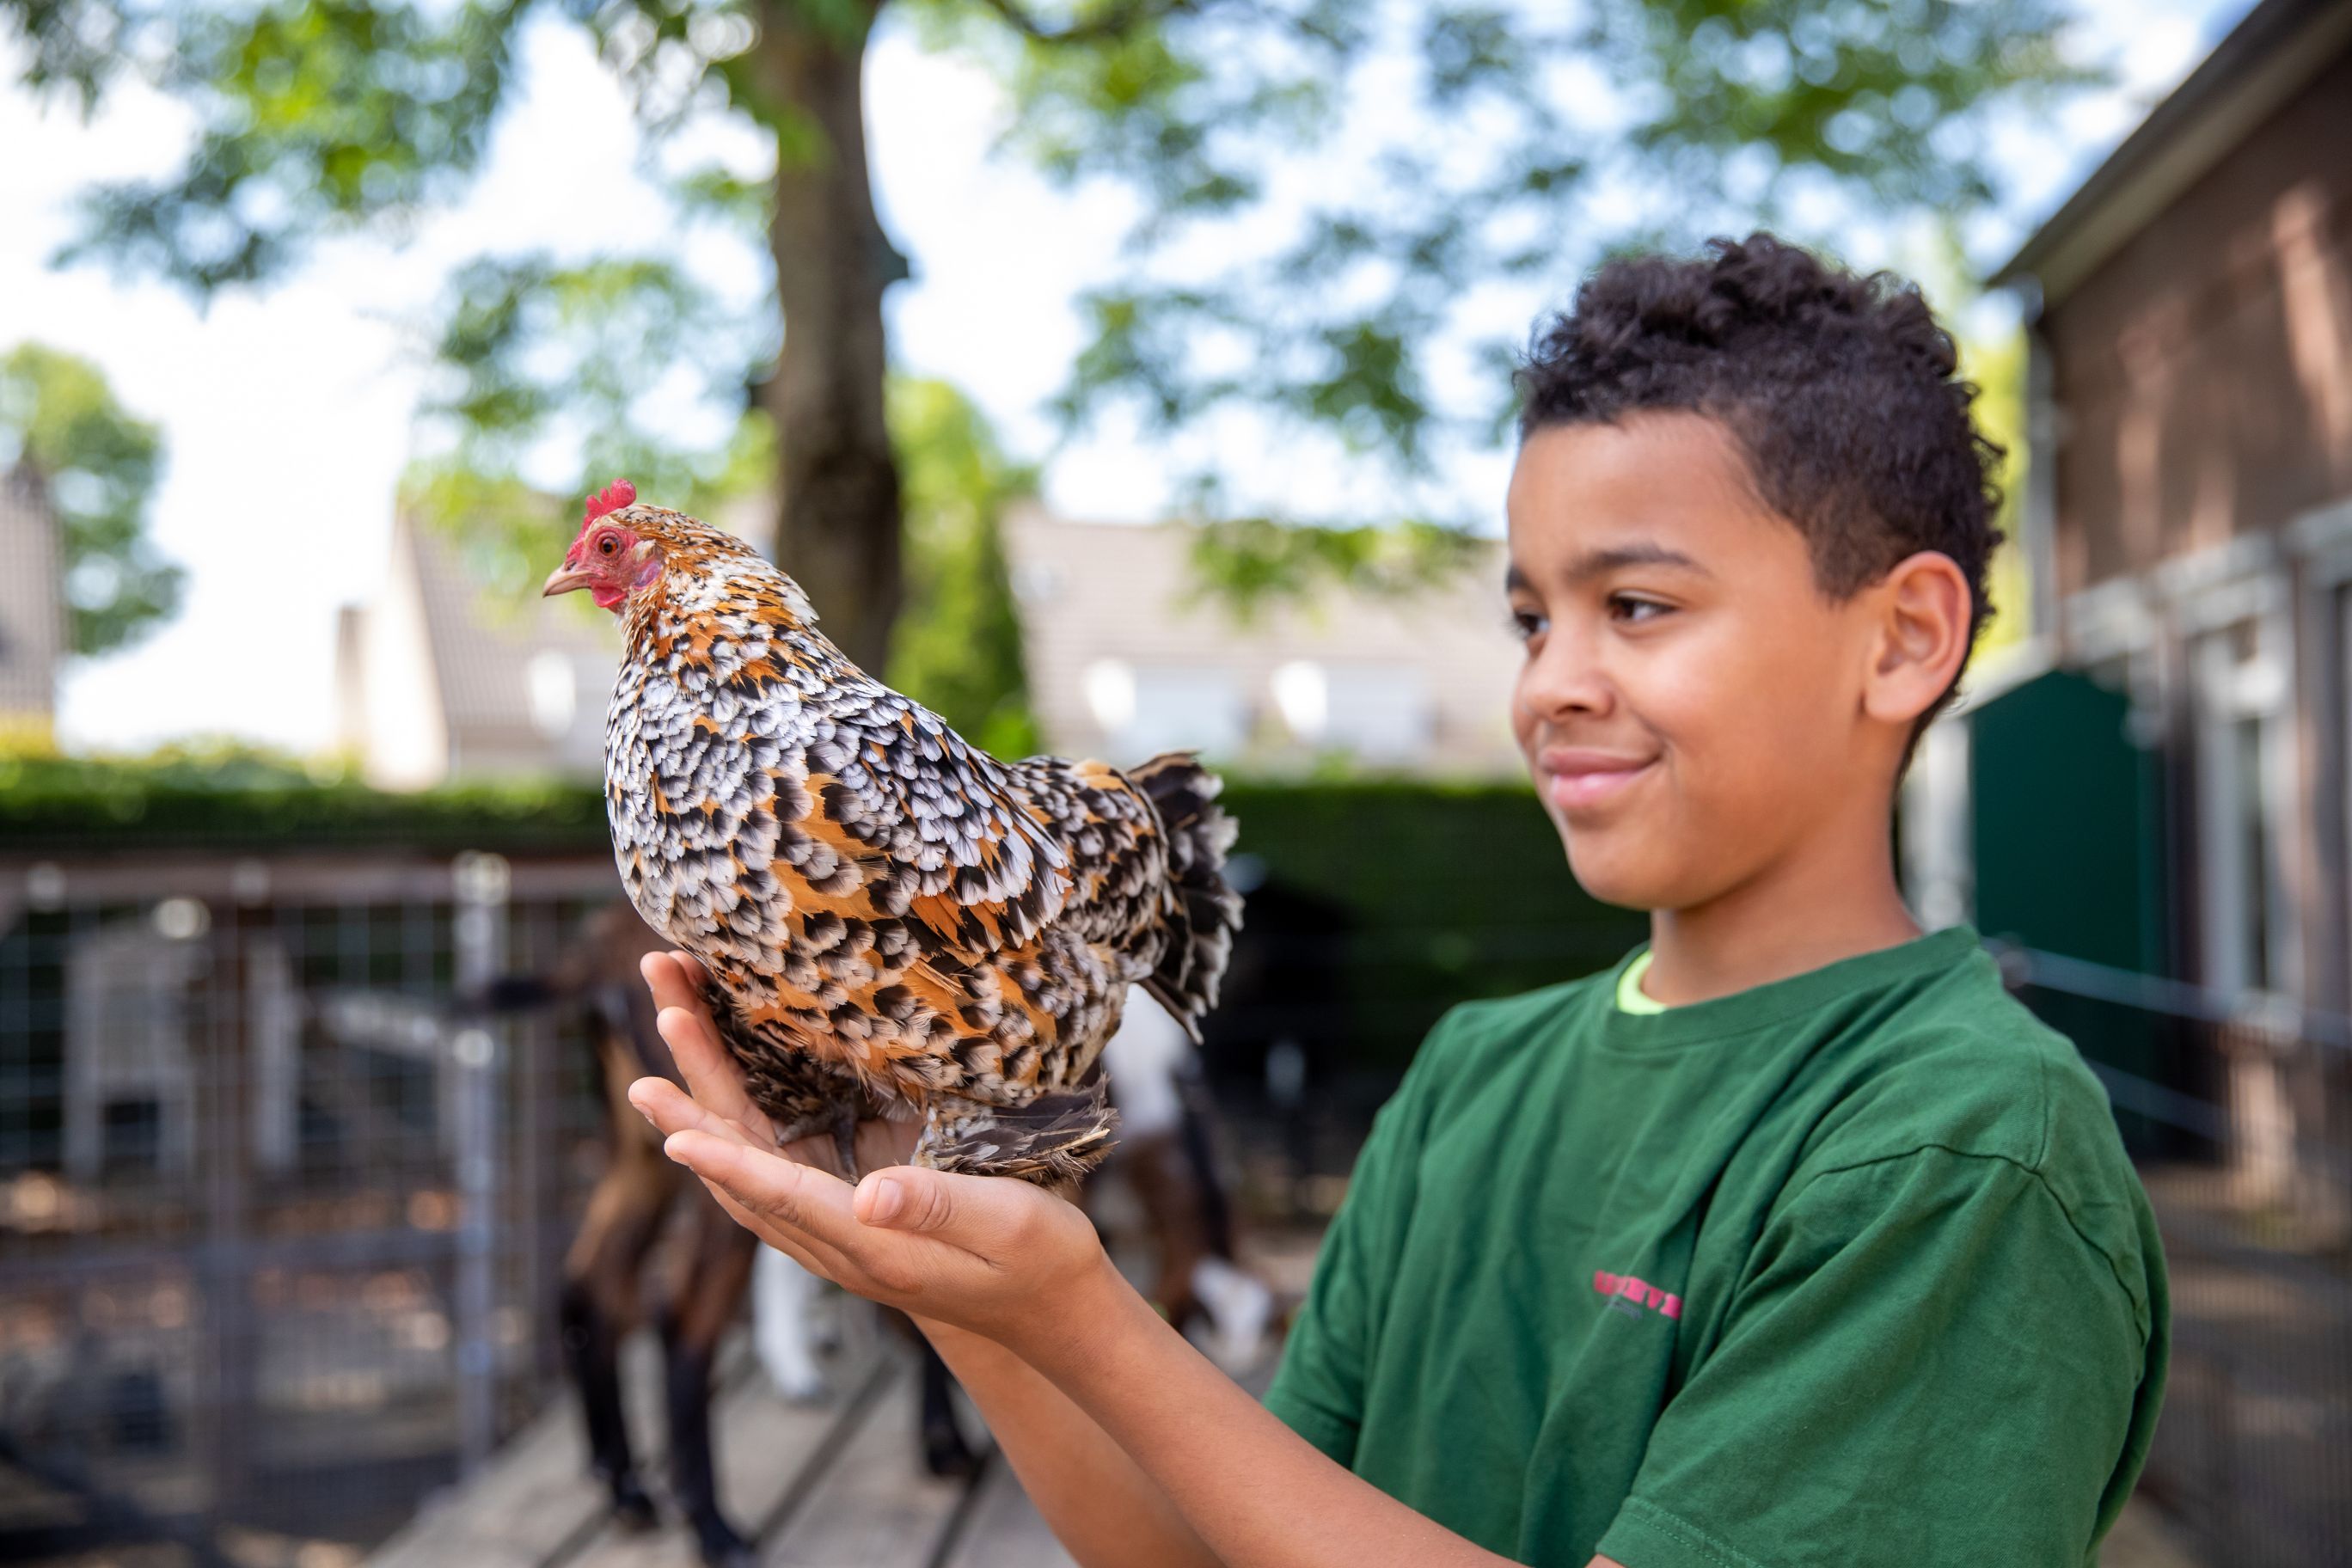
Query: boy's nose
[1565, 678]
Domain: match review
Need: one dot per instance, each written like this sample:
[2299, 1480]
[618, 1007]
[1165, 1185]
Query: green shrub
[1439, 892]
[1446, 892]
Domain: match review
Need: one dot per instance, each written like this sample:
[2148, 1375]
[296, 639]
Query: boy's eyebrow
[1594, 563]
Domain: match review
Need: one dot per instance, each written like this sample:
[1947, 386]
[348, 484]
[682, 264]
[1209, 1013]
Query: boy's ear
[1922, 636]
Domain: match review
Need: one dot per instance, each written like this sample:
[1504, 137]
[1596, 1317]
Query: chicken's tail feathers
[1059, 1137]
[1202, 911]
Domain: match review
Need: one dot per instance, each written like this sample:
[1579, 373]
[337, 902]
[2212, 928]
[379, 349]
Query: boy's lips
[1578, 779]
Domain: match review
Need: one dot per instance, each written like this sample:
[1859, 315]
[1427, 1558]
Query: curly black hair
[1840, 389]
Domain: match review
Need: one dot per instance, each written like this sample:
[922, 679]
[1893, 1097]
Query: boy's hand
[979, 1252]
[683, 1015]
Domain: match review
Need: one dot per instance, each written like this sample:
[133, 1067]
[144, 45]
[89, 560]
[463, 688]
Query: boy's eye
[1634, 607]
[1528, 624]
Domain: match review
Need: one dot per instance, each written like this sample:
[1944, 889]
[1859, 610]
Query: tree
[1347, 309]
[97, 466]
[958, 650]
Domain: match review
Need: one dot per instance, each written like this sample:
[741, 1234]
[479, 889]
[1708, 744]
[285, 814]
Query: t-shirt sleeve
[1927, 1363]
[1318, 1390]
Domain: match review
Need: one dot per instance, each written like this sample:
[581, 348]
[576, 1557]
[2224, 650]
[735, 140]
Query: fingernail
[887, 1202]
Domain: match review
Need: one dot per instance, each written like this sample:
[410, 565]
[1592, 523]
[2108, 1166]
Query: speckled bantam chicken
[894, 921]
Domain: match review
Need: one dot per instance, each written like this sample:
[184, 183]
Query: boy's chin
[1629, 882]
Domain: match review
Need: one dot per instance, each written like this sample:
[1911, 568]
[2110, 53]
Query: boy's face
[1691, 701]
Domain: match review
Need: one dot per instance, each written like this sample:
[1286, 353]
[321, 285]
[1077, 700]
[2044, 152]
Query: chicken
[894, 923]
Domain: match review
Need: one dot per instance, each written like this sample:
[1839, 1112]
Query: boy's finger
[817, 1210]
[672, 983]
[973, 1213]
[763, 1193]
[712, 1076]
[821, 1262]
[670, 1109]
[684, 1023]
[791, 1194]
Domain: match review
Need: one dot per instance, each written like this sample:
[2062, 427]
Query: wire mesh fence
[279, 1225]
[281, 1222]
[2235, 1110]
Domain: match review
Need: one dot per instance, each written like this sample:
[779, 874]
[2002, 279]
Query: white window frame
[2213, 595]
[2320, 542]
[2121, 621]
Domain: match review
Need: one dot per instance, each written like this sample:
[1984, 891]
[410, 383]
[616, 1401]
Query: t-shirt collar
[1742, 1012]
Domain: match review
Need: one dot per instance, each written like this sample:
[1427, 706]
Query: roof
[2272, 52]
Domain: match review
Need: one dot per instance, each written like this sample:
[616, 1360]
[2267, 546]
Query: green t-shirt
[1848, 1269]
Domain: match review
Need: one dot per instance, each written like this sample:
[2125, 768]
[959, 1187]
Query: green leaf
[316, 115]
[97, 466]
[1242, 120]
[1249, 564]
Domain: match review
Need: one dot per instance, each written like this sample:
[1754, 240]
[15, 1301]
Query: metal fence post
[482, 883]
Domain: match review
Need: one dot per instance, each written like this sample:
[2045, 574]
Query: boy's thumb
[905, 1198]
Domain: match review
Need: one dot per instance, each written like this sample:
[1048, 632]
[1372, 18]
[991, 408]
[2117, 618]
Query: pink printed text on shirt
[1640, 1293]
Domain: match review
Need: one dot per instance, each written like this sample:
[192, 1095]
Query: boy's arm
[1022, 1272]
[1258, 1494]
[1018, 1267]
[1101, 1506]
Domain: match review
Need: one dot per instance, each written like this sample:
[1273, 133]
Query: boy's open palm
[975, 1251]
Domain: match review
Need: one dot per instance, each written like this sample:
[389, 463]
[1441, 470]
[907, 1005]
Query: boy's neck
[1810, 911]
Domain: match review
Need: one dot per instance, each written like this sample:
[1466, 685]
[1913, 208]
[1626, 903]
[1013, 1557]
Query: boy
[1794, 1239]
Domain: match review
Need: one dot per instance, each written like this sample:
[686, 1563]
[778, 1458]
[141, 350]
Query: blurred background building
[32, 614]
[440, 678]
[2151, 798]
[1127, 655]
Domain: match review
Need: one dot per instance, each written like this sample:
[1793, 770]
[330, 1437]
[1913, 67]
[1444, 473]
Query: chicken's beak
[564, 580]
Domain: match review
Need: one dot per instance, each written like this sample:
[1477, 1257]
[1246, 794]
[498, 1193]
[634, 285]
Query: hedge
[1419, 894]
[1445, 892]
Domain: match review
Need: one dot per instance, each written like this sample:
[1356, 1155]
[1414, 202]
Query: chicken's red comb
[612, 498]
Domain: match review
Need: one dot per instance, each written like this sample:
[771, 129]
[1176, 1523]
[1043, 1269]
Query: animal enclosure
[279, 1221]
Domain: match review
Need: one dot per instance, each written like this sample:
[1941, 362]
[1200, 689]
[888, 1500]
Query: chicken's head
[609, 559]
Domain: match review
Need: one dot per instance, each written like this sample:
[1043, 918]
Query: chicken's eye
[606, 545]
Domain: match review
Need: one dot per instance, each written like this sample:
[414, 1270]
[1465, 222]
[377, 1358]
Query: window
[2342, 740]
[1145, 709]
[2244, 779]
[1379, 713]
[554, 687]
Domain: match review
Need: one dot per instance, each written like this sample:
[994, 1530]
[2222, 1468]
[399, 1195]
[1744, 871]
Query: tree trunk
[838, 523]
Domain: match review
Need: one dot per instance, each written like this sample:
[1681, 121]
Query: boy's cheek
[1639, 860]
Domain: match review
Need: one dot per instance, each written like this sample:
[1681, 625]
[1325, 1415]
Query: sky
[295, 406]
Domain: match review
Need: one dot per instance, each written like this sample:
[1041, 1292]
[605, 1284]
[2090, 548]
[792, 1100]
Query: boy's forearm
[1256, 1493]
[1103, 1509]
